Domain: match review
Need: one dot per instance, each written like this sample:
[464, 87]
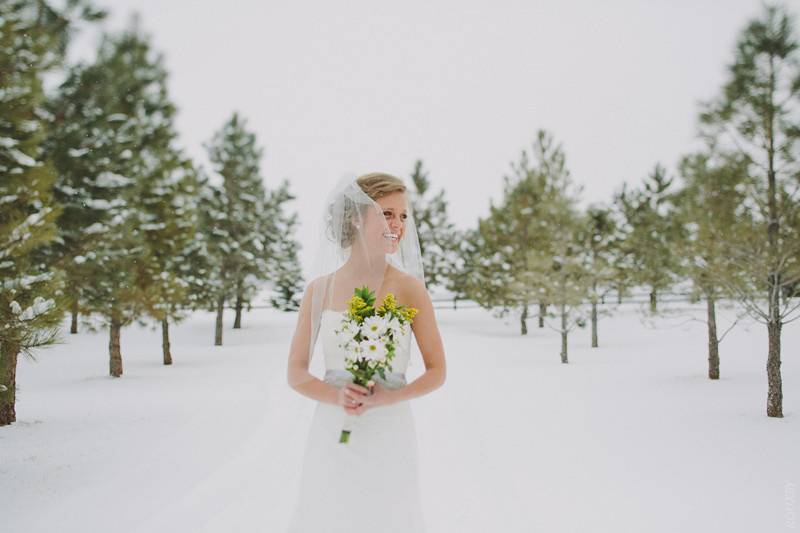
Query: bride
[370, 482]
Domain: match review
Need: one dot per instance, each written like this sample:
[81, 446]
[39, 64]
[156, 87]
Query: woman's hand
[380, 396]
[351, 397]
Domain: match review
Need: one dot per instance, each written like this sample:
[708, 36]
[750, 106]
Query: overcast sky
[333, 88]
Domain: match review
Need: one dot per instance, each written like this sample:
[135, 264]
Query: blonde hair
[379, 184]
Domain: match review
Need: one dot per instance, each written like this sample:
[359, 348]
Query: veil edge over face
[355, 248]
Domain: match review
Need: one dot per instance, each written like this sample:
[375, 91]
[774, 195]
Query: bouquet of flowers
[369, 335]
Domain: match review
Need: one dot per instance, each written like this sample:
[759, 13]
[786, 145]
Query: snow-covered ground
[628, 437]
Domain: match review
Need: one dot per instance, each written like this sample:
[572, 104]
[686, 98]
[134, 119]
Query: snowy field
[628, 437]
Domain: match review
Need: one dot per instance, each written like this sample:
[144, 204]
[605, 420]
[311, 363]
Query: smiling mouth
[391, 236]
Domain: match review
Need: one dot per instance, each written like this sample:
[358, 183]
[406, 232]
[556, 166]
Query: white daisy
[396, 326]
[346, 333]
[373, 327]
[373, 349]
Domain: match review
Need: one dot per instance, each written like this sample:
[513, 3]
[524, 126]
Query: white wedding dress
[369, 484]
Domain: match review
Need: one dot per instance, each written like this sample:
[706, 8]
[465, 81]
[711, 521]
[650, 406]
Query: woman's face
[395, 213]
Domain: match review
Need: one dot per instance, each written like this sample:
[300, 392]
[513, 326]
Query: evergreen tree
[515, 252]
[462, 264]
[649, 233]
[710, 207]
[499, 268]
[558, 267]
[216, 238]
[490, 255]
[161, 191]
[622, 265]
[286, 275]
[113, 147]
[168, 219]
[756, 116]
[33, 40]
[236, 158]
[597, 240]
[196, 261]
[437, 235]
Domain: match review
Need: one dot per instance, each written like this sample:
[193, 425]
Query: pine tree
[168, 219]
[516, 253]
[281, 252]
[113, 146]
[710, 208]
[216, 237]
[437, 235]
[490, 255]
[462, 264]
[756, 116]
[196, 262]
[236, 158]
[597, 240]
[558, 265]
[650, 230]
[497, 280]
[33, 40]
[622, 264]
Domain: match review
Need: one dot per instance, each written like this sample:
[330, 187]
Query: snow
[29, 126]
[153, 227]
[103, 204]
[24, 282]
[7, 142]
[39, 307]
[22, 158]
[76, 152]
[631, 436]
[110, 179]
[96, 227]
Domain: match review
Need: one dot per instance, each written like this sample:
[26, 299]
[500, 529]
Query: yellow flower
[410, 313]
[356, 305]
[389, 302]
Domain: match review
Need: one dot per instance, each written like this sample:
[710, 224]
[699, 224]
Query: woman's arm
[297, 374]
[430, 345]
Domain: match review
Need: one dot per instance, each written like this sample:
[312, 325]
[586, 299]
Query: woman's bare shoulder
[410, 288]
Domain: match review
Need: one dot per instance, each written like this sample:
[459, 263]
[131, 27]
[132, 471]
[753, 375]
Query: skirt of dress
[369, 484]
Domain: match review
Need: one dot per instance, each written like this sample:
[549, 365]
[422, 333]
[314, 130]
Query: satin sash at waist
[339, 378]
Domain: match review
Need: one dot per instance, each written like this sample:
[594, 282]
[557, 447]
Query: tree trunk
[115, 355]
[775, 387]
[619, 295]
[237, 323]
[8, 382]
[523, 325]
[542, 313]
[564, 334]
[594, 324]
[218, 328]
[455, 303]
[653, 301]
[165, 341]
[774, 381]
[74, 325]
[713, 342]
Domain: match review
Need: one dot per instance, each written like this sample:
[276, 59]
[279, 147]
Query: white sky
[352, 87]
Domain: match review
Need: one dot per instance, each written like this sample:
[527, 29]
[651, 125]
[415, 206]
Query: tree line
[104, 215]
[725, 223]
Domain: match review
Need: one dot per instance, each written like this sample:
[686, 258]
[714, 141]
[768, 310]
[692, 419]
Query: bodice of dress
[335, 355]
